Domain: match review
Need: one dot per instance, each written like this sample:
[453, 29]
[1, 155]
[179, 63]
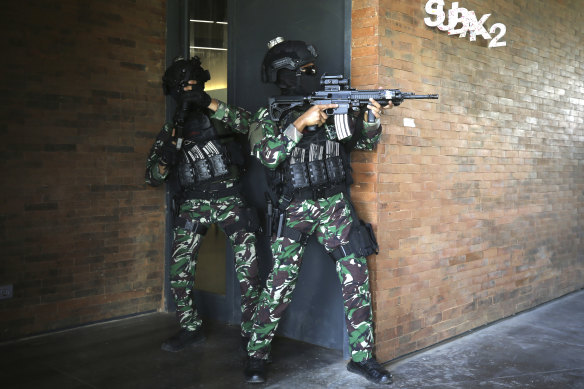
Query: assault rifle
[337, 90]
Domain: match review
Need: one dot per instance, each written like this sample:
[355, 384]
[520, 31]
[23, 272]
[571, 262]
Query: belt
[208, 194]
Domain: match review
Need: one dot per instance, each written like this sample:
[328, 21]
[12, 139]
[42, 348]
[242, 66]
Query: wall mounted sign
[467, 20]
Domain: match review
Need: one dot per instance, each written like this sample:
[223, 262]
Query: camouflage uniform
[225, 211]
[330, 219]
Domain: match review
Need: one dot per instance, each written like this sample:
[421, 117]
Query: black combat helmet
[284, 54]
[180, 72]
[284, 65]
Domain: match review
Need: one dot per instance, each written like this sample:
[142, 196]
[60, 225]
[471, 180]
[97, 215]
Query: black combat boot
[183, 339]
[372, 370]
[255, 371]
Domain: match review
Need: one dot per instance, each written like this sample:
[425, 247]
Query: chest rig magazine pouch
[202, 162]
[316, 163]
[209, 160]
[203, 157]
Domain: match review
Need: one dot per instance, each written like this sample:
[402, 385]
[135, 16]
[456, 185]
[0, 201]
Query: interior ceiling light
[206, 21]
[208, 48]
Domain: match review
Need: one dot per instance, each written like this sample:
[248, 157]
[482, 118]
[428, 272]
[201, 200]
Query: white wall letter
[438, 12]
[454, 19]
[476, 26]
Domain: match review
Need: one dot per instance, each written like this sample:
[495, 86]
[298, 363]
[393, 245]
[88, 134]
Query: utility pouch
[218, 165]
[334, 169]
[317, 171]
[202, 170]
[299, 175]
[365, 237]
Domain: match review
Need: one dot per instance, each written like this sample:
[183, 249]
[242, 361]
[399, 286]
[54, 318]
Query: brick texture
[82, 237]
[478, 208]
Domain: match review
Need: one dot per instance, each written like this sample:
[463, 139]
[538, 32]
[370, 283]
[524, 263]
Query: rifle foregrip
[370, 116]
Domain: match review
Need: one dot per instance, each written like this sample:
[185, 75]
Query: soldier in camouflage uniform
[206, 171]
[310, 166]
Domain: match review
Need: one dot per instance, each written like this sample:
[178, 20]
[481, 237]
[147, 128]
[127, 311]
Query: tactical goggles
[309, 70]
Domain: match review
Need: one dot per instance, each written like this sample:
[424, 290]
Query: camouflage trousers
[330, 219]
[224, 212]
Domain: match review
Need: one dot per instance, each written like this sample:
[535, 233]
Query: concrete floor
[542, 348]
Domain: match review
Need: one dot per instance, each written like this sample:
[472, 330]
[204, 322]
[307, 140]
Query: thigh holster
[362, 242]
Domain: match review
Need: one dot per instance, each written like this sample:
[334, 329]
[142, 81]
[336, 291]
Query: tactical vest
[317, 168]
[206, 159]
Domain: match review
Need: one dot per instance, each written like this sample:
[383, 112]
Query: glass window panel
[208, 41]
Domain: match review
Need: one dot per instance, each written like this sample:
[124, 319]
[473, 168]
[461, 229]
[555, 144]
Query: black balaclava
[180, 72]
[296, 83]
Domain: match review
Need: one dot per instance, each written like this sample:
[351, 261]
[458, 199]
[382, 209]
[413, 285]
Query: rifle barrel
[421, 96]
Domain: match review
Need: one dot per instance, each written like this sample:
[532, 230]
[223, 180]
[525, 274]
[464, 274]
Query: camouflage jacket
[234, 118]
[271, 145]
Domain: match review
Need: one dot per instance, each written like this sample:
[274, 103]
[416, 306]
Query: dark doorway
[316, 312]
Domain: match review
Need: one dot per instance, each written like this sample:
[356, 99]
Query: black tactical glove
[168, 154]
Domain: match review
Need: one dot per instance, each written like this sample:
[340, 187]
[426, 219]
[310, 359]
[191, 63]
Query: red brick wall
[82, 237]
[478, 208]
